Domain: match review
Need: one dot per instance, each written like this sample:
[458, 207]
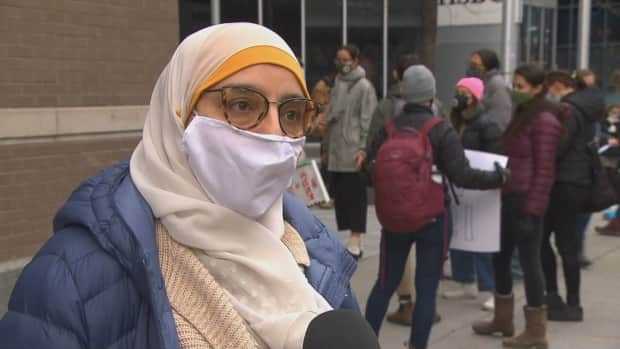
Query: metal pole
[583, 40]
[215, 12]
[508, 42]
[385, 46]
[303, 34]
[260, 12]
[554, 34]
[344, 22]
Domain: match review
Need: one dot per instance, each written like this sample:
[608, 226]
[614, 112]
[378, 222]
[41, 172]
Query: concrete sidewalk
[599, 287]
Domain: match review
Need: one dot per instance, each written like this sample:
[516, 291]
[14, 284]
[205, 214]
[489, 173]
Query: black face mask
[459, 103]
[473, 72]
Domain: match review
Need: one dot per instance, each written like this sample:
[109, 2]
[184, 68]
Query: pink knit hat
[474, 85]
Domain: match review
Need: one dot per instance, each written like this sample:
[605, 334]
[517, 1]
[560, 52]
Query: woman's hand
[613, 142]
[359, 159]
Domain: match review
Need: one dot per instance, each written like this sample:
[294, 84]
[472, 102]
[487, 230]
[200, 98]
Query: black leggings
[567, 201]
[350, 200]
[525, 237]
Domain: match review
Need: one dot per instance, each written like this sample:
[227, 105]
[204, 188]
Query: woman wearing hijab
[194, 243]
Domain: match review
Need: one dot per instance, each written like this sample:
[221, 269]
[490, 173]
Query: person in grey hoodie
[352, 103]
[496, 100]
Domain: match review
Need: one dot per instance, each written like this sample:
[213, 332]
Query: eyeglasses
[245, 108]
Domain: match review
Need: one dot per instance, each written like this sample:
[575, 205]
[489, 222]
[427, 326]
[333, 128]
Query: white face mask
[241, 170]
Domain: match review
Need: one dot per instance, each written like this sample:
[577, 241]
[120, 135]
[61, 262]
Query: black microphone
[340, 329]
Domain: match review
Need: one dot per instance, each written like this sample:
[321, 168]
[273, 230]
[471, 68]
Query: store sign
[468, 12]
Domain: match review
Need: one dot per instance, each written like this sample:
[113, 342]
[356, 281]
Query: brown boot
[535, 334]
[402, 316]
[502, 320]
[612, 228]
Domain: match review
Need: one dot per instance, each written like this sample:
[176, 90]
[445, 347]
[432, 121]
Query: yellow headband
[248, 57]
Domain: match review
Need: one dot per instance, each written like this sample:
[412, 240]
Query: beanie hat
[418, 84]
[473, 85]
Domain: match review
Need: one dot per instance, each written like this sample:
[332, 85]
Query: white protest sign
[308, 185]
[476, 220]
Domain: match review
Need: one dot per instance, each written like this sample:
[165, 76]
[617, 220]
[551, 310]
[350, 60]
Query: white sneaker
[354, 246]
[489, 305]
[465, 291]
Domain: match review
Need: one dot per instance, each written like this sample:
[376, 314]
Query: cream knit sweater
[203, 314]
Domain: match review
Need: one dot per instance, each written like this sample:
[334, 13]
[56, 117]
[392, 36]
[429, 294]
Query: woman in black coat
[477, 132]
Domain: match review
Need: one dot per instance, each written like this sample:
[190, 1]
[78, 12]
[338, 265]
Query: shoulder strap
[389, 128]
[429, 124]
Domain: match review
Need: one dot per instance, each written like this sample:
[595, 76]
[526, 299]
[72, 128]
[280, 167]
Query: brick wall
[37, 178]
[83, 52]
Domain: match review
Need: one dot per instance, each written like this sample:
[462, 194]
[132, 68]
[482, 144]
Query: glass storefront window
[284, 18]
[548, 33]
[239, 11]
[404, 30]
[535, 35]
[523, 31]
[365, 29]
[193, 16]
[323, 38]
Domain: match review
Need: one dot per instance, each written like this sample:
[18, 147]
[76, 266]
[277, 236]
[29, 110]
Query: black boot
[557, 310]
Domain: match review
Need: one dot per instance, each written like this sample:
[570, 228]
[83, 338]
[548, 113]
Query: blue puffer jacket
[97, 283]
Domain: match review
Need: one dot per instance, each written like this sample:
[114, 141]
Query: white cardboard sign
[308, 185]
[476, 220]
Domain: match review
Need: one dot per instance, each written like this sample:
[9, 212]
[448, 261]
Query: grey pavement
[600, 297]
[599, 287]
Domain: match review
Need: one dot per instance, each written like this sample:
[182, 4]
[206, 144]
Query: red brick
[48, 38]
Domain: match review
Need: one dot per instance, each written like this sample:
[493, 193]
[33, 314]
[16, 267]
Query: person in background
[352, 102]
[613, 95]
[388, 108]
[610, 136]
[142, 253]
[497, 103]
[530, 142]
[587, 76]
[418, 90]
[484, 64]
[320, 94]
[584, 106]
[583, 219]
[478, 132]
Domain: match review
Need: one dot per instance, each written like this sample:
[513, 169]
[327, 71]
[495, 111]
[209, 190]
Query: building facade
[75, 79]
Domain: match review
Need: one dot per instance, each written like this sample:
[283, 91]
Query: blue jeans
[583, 219]
[467, 267]
[394, 251]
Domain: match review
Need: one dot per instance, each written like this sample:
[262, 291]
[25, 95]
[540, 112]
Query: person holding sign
[411, 205]
[531, 143]
[478, 131]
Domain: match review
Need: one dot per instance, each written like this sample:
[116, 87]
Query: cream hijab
[246, 257]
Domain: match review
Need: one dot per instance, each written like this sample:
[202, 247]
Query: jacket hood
[491, 74]
[354, 75]
[589, 101]
[394, 90]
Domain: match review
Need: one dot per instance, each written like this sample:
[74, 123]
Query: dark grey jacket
[574, 165]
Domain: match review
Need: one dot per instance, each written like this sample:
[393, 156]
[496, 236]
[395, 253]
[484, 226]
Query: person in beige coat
[352, 103]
